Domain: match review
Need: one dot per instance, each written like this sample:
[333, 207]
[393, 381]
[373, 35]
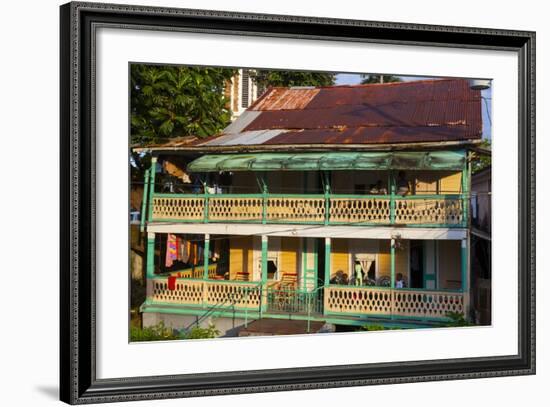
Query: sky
[486, 105]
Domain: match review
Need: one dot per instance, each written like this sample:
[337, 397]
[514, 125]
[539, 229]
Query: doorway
[416, 264]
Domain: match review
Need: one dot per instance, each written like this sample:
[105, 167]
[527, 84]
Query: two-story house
[346, 205]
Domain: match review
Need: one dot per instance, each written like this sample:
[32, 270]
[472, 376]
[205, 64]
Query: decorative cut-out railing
[206, 293]
[330, 209]
[392, 302]
[329, 300]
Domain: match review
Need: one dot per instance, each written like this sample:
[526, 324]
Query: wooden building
[343, 204]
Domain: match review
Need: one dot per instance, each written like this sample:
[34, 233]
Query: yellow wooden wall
[401, 259]
[426, 182]
[240, 256]
[339, 257]
[290, 247]
[450, 183]
[449, 264]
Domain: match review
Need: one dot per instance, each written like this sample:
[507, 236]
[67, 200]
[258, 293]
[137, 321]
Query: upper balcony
[418, 189]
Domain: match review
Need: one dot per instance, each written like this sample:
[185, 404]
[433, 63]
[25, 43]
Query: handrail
[331, 209]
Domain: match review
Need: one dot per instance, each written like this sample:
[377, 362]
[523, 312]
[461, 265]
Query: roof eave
[315, 147]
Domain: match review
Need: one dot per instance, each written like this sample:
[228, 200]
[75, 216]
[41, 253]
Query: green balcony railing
[329, 209]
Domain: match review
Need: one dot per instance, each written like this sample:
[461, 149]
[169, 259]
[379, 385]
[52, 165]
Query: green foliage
[157, 332]
[376, 328]
[456, 319]
[481, 161]
[265, 78]
[172, 101]
[376, 79]
[202, 333]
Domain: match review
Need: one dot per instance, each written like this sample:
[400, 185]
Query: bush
[201, 333]
[157, 332]
[456, 319]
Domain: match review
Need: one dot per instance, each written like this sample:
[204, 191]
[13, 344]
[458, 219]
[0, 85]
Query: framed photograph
[255, 203]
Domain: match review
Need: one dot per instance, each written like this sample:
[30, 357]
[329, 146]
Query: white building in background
[242, 92]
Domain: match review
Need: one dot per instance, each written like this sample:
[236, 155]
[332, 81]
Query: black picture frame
[78, 382]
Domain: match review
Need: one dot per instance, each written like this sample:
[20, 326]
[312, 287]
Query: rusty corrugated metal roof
[403, 112]
[443, 110]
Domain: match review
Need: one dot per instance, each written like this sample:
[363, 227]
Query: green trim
[360, 320]
[150, 257]
[327, 262]
[205, 216]
[392, 197]
[392, 263]
[143, 214]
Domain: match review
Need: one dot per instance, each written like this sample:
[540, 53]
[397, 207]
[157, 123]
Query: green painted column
[392, 198]
[150, 255]
[153, 171]
[264, 273]
[264, 259]
[206, 252]
[392, 263]
[327, 260]
[205, 187]
[326, 177]
[144, 201]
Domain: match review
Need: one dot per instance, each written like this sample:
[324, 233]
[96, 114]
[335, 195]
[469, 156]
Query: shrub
[157, 332]
[201, 333]
[456, 319]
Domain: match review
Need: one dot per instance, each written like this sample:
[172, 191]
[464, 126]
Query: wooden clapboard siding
[401, 259]
[289, 255]
[449, 264]
[240, 256]
[450, 183]
[426, 182]
[339, 257]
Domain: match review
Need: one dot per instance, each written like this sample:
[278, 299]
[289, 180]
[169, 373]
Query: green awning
[432, 160]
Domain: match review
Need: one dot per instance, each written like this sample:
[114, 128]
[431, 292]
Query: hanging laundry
[171, 250]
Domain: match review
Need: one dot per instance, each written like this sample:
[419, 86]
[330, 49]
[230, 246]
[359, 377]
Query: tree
[481, 161]
[264, 78]
[171, 101]
[376, 79]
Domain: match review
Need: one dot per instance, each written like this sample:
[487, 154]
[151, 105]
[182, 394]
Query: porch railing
[392, 302]
[242, 295]
[336, 300]
[330, 209]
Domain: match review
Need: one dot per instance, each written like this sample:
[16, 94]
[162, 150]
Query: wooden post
[465, 193]
[206, 251]
[263, 303]
[392, 198]
[327, 260]
[392, 263]
[153, 170]
[144, 201]
[150, 273]
[264, 200]
[205, 187]
[326, 177]
[464, 273]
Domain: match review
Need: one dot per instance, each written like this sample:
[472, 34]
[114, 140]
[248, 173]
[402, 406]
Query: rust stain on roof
[286, 99]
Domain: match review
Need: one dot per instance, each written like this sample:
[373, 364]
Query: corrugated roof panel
[241, 122]
[286, 99]
[442, 160]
